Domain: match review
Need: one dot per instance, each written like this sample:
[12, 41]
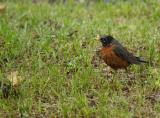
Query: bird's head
[105, 40]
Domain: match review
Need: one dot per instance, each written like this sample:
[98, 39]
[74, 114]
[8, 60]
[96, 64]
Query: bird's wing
[125, 55]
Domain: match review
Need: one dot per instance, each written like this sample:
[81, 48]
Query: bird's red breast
[110, 58]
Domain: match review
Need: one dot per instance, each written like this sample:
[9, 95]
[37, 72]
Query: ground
[52, 47]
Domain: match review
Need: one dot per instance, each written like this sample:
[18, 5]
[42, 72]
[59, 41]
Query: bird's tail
[141, 60]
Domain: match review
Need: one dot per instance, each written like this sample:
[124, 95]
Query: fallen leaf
[14, 78]
[2, 8]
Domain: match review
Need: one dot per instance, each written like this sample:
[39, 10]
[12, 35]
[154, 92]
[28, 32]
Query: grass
[61, 77]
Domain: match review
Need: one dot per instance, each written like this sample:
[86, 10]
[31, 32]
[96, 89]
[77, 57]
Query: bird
[115, 55]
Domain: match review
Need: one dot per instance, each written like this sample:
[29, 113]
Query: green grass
[59, 78]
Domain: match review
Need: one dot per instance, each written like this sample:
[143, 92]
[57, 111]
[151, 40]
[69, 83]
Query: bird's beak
[98, 37]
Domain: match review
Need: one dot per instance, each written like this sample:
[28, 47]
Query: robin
[115, 55]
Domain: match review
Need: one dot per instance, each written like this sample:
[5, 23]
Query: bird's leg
[127, 70]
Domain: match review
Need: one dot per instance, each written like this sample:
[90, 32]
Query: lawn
[52, 48]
